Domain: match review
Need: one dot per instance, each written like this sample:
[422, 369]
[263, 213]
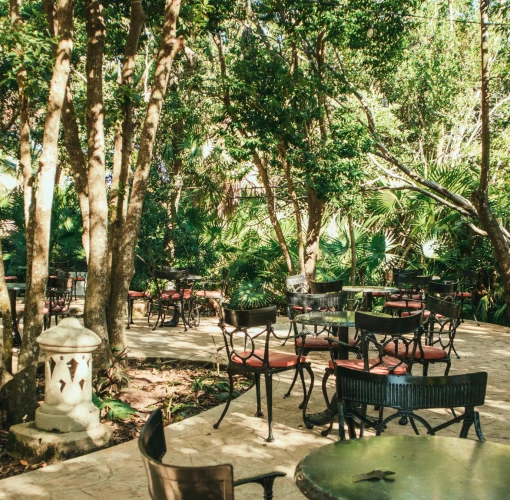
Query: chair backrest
[250, 318]
[327, 287]
[446, 315]
[445, 308]
[169, 482]
[306, 302]
[406, 393]
[297, 283]
[401, 334]
[442, 289]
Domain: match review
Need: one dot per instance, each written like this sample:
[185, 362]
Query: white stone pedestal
[67, 423]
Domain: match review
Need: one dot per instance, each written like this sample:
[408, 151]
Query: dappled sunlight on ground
[117, 472]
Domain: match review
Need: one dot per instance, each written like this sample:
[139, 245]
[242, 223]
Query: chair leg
[257, 392]
[350, 422]
[269, 396]
[467, 423]
[230, 395]
[331, 412]
[455, 351]
[478, 426]
[308, 394]
[447, 369]
[426, 369]
[287, 394]
[160, 309]
[305, 399]
[341, 420]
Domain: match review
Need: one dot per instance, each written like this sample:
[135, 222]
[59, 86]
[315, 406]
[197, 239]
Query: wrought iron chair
[57, 305]
[212, 290]
[468, 292]
[377, 333]
[298, 303]
[170, 482]
[406, 394]
[446, 315]
[326, 287]
[297, 283]
[132, 296]
[411, 297]
[247, 359]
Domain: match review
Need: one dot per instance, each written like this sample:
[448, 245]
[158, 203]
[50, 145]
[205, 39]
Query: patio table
[13, 289]
[425, 467]
[369, 290]
[178, 276]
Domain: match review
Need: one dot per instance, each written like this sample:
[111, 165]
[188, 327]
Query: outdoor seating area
[254, 249]
[240, 440]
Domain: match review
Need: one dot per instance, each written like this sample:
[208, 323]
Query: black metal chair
[326, 287]
[170, 482]
[468, 293]
[299, 303]
[411, 297]
[438, 312]
[377, 334]
[406, 394]
[244, 358]
[213, 291]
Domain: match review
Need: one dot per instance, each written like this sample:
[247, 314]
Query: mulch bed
[180, 389]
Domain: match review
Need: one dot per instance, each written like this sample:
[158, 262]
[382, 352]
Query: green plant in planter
[250, 294]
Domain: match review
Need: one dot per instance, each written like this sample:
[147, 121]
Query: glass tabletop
[343, 318]
[369, 289]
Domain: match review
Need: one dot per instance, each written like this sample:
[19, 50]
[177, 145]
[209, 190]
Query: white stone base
[35, 445]
[82, 417]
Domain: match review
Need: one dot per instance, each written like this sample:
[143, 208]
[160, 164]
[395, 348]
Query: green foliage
[250, 295]
[112, 375]
[115, 409]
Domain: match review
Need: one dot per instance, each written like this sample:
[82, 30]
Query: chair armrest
[265, 480]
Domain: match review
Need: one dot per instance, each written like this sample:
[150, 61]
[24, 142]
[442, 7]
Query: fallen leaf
[24, 462]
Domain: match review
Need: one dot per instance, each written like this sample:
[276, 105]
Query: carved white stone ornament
[68, 403]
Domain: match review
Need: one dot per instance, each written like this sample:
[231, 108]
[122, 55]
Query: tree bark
[315, 213]
[6, 338]
[22, 402]
[282, 153]
[95, 295]
[353, 249]
[169, 47]
[480, 196]
[271, 207]
[25, 156]
[123, 142]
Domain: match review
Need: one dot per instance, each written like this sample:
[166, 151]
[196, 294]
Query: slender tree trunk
[169, 47]
[273, 217]
[175, 197]
[481, 194]
[353, 248]
[315, 213]
[78, 164]
[21, 399]
[282, 153]
[6, 338]
[25, 157]
[95, 296]
[123, 142]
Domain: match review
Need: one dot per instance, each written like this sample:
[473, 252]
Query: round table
[425, 468]
[369, 290]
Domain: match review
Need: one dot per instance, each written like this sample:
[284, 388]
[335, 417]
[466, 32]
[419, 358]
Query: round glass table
[424, 468]
[369, 290]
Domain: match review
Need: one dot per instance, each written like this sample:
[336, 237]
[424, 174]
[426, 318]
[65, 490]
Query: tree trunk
[282, 153]
[74, 149]
[124, 132]
[315, 213]
[22, 401]
[271, 207]
[169, 47]
[95, 295]
[173, 209]
[481, 194]
[353, 249]
[6, 338]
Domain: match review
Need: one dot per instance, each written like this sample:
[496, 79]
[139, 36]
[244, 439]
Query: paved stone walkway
[117, 473]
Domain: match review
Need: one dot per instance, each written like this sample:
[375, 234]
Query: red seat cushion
[429, 352]
[379, 294]
[11, 279]
[359, 364]
[78, 278]
[464, 295]
[137, 295]
[210, 294]
[276, 359]
[320, 343]
[403, 304]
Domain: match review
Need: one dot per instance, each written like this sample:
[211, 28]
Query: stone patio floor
[117, 472]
